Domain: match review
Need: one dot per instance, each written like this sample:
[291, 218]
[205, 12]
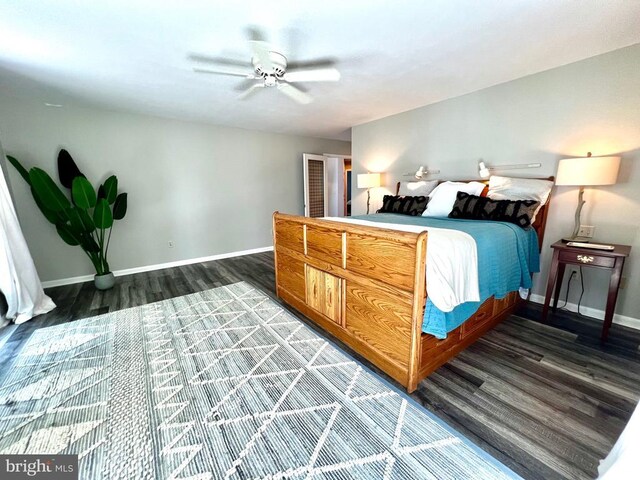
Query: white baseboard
[159, 266]
[593, 312]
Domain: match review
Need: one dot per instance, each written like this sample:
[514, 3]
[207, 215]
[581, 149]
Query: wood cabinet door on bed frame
[324, 293]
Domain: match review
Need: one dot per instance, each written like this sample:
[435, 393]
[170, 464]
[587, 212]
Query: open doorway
[347, 187]
[327, 185]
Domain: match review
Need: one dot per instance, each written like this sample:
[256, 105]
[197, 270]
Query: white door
[315, 185]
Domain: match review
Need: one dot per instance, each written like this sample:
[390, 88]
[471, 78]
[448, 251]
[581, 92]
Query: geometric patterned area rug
[221, 384]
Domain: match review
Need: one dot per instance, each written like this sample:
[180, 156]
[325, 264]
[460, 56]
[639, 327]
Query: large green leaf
[47, 191]
[87, 221]
[84, 196]
[21, 170]
[80, 220]
[89, 244]
[67, 169]
[102, 216]
[69, 234]
[120, 207]
[50, 215]
[74, 219]
[111, 189]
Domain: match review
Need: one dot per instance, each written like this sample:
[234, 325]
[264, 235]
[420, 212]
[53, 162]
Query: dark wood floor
[549, 401]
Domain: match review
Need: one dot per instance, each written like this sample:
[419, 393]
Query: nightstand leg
[551, 281]
[612, 297]
[556, 295]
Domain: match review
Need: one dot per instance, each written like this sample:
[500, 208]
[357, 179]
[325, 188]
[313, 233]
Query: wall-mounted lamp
[421, 172]
[485, 171]
[368, 181]
[586, 171]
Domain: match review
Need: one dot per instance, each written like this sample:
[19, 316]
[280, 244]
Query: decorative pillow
[507, 188]
[417, 188]
[443, 197]
[405, 205]
[473, 207]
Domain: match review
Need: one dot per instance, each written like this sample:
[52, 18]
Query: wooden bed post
[417, 314]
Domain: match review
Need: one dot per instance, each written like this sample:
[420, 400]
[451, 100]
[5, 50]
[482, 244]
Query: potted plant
[84, 217]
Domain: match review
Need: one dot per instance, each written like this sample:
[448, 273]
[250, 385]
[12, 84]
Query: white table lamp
[584, 172]
[368, 181]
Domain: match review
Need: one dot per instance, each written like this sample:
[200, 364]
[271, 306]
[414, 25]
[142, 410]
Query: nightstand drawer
[586, 258]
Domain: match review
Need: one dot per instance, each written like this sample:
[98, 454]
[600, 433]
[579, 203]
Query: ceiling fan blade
[307, 64]
[250, 91]
[220, 61]
[248, 75]
[260, 47]
[256, 34]
[295, 94]
[312, 75]
[261, 50]
[244, 84]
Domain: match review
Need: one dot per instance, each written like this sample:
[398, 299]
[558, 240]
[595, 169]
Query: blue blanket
[507, 256]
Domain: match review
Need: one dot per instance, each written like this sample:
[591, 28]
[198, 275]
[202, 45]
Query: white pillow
[444, 196]
[508, 188]
[418, 189]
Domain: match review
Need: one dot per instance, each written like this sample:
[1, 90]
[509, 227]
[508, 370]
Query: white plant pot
[104, 282]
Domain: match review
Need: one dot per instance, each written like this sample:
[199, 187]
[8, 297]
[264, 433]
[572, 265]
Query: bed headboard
[541, 219]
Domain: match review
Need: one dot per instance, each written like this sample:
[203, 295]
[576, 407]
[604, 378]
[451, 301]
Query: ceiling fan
[270, 69]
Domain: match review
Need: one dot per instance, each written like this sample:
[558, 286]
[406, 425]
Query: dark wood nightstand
[564, 255]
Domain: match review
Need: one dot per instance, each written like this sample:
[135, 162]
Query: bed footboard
[363, 285]
[366, 286]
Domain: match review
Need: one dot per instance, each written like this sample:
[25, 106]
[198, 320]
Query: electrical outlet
[170, 243]
[586, 231]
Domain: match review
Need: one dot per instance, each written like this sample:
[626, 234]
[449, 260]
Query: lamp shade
[368, 180]
[588, 171]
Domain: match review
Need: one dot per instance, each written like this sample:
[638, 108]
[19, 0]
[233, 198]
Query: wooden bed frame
[366, 286]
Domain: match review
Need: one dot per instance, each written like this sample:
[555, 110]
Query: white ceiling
[394, 55]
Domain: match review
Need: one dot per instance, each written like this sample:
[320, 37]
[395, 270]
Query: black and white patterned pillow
[519, 212]
[404, 204]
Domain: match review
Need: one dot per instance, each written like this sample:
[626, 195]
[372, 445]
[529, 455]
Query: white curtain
[19, 282]
[624, 459]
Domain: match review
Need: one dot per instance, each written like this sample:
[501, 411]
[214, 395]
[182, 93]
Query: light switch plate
[586, 231]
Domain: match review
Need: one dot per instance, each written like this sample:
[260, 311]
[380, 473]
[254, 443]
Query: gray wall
[208, 189]
[592, 105]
